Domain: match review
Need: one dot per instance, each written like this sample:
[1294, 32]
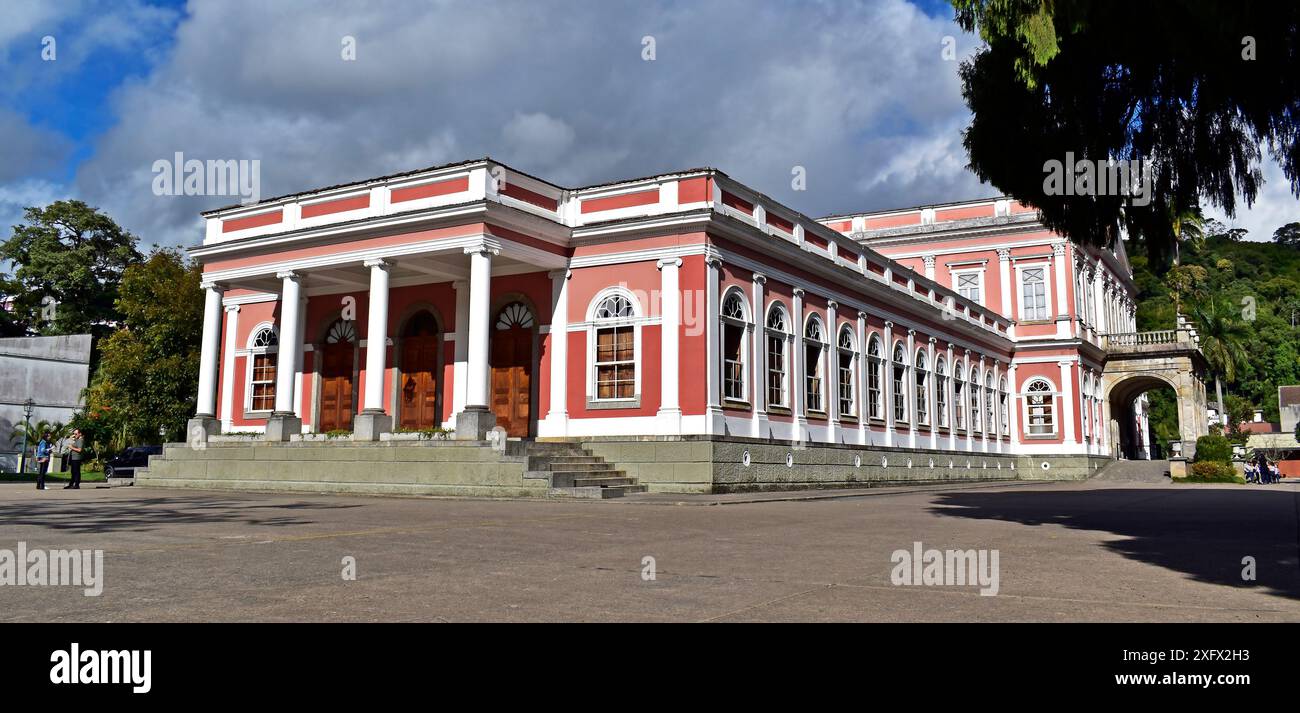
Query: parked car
[123, 464]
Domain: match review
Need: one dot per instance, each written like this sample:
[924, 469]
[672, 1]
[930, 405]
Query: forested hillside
[1244, 297]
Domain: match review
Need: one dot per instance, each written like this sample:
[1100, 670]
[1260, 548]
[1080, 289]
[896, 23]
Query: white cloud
[1274, 207]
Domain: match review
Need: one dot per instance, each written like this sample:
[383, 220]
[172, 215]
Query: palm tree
[1222, 338]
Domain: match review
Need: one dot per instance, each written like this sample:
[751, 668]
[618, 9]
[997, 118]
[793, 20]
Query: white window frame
[974, 389]
[1005, 407]
[941, 391]
[990, 404]
[956, 282]
[746, 332]
[636, 321]
[252, 352]
[900, 400]
[808, 375]
[852, 352]
[787, 341]
[1052, 393]
[1047, 290]
[876, 368]
[960, 417]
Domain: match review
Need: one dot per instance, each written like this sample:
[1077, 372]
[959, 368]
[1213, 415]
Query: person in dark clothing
[1261, 462]
[74, 460]
[42, 460]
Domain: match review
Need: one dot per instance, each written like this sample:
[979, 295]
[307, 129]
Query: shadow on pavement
[144, 514]
[1204, 533]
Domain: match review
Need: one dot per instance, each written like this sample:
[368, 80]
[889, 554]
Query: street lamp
[28, 405]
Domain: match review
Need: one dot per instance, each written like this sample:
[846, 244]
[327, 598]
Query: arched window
[263, 346]
[990, 404]
[875, 378]
[1040, 404]
[922, 395]
[941, 391]
[614, 347]
[846, 367]
[1002, 412]
[735, 325]
[1085, 396]
[814, 348]
[900, 383]
[778, 336]
[959, 395]
[974, 389]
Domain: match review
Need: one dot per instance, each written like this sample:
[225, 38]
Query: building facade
[473, 296]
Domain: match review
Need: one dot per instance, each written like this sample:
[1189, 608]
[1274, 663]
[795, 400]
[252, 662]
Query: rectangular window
[1033, 288]
[941, 399]
[968, 286]
[776, 370]
[958, 397]
[263, 382]
[733, 362]
[873, 388]
[846, 384]
[900, 393]
[813, 365]
[615, 363]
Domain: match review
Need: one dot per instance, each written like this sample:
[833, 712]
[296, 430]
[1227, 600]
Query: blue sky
[856, 93]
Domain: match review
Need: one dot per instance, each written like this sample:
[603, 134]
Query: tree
[1222, 342]
[70, 259]
[1288, 235]
[148, 371]
[1191, 88]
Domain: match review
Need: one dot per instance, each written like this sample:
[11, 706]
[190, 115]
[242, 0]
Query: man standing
[74, 460]
[42, 460]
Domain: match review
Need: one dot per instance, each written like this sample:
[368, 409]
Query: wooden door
[512, 369]
[336, 387]
[419, 382]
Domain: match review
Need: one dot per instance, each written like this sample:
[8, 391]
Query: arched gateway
[1141, 361]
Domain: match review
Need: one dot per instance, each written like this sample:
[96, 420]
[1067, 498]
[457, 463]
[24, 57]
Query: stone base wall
[723, 465]
[386, 468]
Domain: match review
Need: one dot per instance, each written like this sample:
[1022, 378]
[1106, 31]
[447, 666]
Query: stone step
[548, 464]
[603, 481]
[599, 493]
[566, 479]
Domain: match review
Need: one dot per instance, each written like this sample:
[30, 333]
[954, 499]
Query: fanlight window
[875, 379]
[733, 347]
[513, 315]
[342, 331]
[615, 307]
[846, 367]
[900, 383]
[265, 338]
[814, 349]
[734, 307]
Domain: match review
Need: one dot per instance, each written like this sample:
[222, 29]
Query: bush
[1213, 472]
[1213, 449]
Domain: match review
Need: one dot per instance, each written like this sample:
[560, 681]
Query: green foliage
[1216, 449]
[428, 434]
[73, 254]
[1168, 82]
[148, 372]
[1212, 472]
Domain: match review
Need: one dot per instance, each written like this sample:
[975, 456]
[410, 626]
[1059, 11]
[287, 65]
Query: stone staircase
[574, 471]
[1135, 471]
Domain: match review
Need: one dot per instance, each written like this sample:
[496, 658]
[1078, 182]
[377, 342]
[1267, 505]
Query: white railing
[1141, 339]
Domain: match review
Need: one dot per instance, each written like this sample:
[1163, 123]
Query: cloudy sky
[858, 93]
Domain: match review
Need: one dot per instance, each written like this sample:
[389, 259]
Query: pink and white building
[473, 296]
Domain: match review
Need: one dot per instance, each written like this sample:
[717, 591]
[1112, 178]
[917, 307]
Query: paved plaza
[1067, 552]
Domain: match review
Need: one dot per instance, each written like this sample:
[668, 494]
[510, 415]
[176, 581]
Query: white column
[952, 404]
[558, 417]
[298, 363]
[210, 350]
[1013, 404]
[712, 316]
[984, 405]
[831, 373]
[1004, 280]
[1098, 301]
[1062, 301]
[965, 402]
[909, 370]
[887, 388]
[797, 366]
[670, 313]
[862, 367]
[931, 387]
[1068, 406]
[997, 407]
[929, 267]
[228, 368]
[376, 336]
[759, 361]
[480, 298]
[287, 358]
[460, 366]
